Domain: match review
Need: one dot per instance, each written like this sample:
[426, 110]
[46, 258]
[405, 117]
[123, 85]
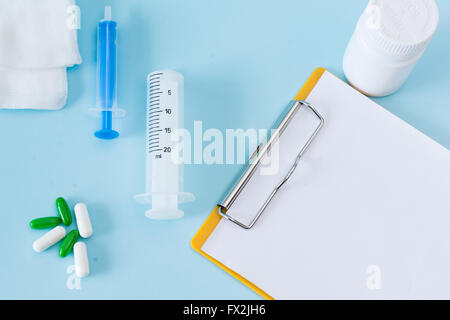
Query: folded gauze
[38, 41]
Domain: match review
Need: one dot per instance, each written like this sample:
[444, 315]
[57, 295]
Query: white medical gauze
[33, 88]
[38, 41]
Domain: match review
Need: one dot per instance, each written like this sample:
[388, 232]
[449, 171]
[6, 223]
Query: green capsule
[64, 211]
[45, 223]
[68, 242]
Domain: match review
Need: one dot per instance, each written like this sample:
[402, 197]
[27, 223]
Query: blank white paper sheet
[366, 215]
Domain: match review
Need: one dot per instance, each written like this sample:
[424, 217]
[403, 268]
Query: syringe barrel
[165, 105]
[163, 175]
[165, 147]
[106, 64]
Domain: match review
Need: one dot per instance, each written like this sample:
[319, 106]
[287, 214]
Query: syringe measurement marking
[154, 113]
[154, 116]
[155, 74]
[152, 128]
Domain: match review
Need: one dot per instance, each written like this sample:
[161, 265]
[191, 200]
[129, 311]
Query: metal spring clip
[234, 193]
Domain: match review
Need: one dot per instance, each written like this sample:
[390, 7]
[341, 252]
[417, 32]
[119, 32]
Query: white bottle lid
[400, 28]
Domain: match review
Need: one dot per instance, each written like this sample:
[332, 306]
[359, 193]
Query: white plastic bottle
[390, 37]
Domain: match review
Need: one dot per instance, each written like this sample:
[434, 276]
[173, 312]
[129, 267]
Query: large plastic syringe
[164, 171]
[106, 108]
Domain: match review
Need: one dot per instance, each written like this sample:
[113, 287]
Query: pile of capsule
[71, 240]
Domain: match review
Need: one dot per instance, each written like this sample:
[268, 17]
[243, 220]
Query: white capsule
[49, 239]
[83, 221]
[81, 259]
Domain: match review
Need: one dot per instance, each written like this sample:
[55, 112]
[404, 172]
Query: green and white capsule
[49, 239]
[45, 223]
[81, 259]
[83, 222]
[68, 243]
[64, 211]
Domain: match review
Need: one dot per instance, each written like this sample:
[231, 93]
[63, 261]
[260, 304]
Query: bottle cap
[400, 28]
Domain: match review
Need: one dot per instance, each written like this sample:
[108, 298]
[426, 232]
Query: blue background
[242, 61]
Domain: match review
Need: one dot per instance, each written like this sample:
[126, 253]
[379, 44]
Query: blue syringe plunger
[107, 76]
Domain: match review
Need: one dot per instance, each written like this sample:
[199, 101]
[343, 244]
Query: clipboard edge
[310, 84]
[214, 218]
[199, 240]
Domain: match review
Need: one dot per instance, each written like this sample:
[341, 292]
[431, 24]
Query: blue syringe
[107, 77]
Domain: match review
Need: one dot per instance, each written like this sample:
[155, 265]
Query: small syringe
[107, 77]
[164, 175]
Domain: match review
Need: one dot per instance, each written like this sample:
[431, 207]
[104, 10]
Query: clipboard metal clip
[258, 155]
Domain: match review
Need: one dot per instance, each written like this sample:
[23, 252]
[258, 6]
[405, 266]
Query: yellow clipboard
[214, 218]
